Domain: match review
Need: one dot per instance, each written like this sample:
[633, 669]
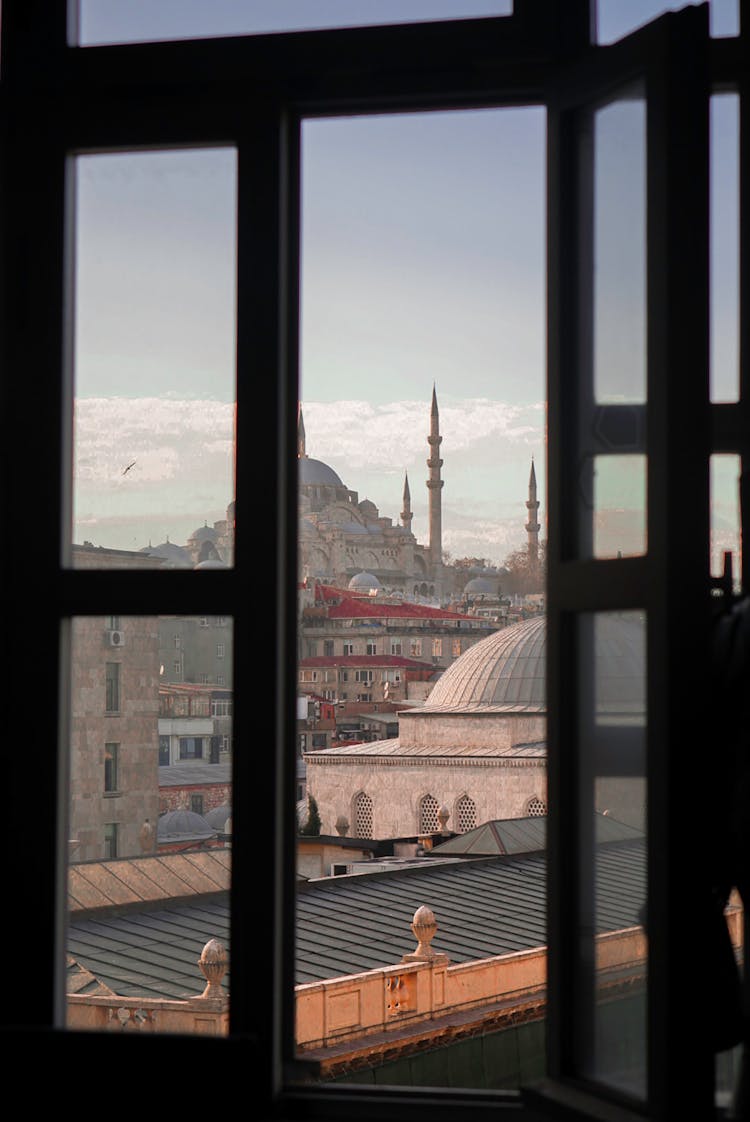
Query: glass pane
[422, 482]
[111, 21]
[612, 472]
[616, 18]
[619, 506]
[154, 370]
[150, 823]
[726, 538]
[611, 1017]
[619, 292]
[725, 215]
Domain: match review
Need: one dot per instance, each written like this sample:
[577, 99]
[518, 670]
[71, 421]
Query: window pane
[725, 518]
[422, 480]
[154, 359]
[612, 473]
[611, 985]
[149, 825]
[724, 286]
[616, 18]
[619, 506]
[620, 251]
[110, 21]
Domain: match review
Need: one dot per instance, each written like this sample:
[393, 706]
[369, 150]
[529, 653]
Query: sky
[423, 265]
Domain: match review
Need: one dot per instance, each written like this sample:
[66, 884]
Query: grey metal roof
[150, 953]
[186, 775]
[523, 835]
[347, 924]
[375, 749]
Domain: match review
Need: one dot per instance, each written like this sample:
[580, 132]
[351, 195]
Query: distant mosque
[346, 543]
[207, 547]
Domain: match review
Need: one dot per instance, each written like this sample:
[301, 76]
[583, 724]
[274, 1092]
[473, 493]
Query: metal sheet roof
[347, 924]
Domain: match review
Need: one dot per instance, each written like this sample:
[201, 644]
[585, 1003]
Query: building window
[163, 751]
[428, 814]
[415, 648]
[371, 649]
[220, 680]
[219, 650]
[363, 675]
[112, 698]
[221, 707]
[177, 641]
[466, 814]
[191, 747]
[536, 808]
[176, 666]
[112, 623]
[328, 648]
[196, 804]
[437, 648]
[362, 816]
[455, 648]
[396, 647]
[111, 762]
[348, 648]
[110, 840]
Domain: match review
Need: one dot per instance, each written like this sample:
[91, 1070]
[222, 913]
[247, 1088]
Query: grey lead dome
[508, 668]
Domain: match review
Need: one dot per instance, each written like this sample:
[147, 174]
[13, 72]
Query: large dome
[315, 471]
[509, 669]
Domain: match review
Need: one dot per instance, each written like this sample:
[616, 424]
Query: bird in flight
[127, 469]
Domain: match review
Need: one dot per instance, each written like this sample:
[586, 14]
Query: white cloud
[163, 439]
[393, 436]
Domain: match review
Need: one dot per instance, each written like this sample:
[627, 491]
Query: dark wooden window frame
[252, 93]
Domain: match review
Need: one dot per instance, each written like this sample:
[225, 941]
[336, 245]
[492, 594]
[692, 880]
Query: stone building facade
[114, 746]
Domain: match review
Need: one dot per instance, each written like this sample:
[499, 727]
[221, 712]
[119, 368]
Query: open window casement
[628, 401]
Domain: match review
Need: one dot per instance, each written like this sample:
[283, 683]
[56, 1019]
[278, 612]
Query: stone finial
[443, 815]
[424, 925]
[342, 825]
[213, 964]
[146, 836]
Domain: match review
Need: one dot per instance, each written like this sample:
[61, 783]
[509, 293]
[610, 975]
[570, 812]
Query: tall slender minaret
[406, 514]
[435, 484]
[532, 526]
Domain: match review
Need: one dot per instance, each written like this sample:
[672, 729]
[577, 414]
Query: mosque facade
[341, 536]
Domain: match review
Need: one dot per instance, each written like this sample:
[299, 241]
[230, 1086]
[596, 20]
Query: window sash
[105, 97]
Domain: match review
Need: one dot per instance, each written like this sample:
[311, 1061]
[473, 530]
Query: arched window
[362, 816]
[428, 819]
[536, 808]
[466, 814]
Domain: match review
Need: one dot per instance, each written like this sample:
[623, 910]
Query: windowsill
[112, 794]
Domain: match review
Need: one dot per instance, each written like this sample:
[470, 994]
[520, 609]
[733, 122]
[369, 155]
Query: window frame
[251, 93]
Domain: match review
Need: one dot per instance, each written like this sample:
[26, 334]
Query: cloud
[393, 436]
[166, 439]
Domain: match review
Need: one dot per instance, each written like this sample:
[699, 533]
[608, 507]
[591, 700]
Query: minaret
[301, 453]
[406, 515]
[532, 526]
[435, 484]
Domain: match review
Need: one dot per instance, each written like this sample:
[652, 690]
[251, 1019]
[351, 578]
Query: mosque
[341, 537]
[475, 751]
